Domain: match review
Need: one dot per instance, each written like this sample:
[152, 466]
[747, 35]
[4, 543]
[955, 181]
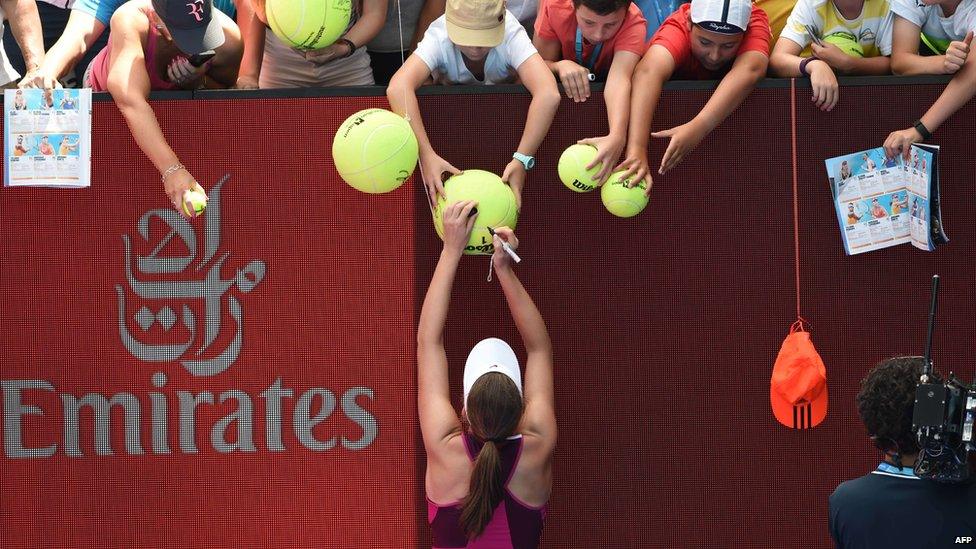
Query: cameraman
[891, 507]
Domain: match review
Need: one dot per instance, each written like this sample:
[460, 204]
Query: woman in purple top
[487, 485]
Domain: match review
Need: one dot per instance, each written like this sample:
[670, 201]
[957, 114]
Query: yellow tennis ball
[847, 43]
[195, 199]
[496, 206]
[375, 151]
[621, 200]
[572, 168]
[308, 24]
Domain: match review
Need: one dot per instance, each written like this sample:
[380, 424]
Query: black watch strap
[922, 130]
[803, 65]
[348, 42]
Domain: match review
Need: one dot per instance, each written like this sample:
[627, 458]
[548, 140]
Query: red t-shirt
[675, 35]
[557, 21]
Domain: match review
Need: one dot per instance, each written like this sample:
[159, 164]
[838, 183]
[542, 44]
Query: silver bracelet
[171, 170]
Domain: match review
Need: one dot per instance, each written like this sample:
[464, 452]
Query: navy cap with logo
[192, 24]
[722, 16]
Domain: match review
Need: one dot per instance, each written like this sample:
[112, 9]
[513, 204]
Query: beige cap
[478, 23]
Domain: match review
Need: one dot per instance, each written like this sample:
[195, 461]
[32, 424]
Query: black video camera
[943, 419]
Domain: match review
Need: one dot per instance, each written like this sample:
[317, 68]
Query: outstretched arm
[128, 82]
[539, 418]
[438, 421]
[747, 70]
[652, 72]
[540, 82]
[402, 95]
[616, 94]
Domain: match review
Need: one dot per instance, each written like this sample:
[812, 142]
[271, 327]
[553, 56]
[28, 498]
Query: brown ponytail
[494, 409]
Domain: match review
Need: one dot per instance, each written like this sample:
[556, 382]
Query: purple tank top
[514, 525]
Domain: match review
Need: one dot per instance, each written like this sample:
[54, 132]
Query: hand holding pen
[505, 242]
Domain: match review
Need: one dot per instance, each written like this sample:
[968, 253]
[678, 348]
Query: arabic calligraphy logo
[210, 290]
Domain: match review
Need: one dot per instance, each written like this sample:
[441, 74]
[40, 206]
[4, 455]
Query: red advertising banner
[243, 379]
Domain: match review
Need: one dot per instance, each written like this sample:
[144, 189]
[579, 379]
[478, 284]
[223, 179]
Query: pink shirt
[98, 74]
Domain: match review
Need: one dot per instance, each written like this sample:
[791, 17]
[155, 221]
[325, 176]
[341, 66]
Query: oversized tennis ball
[572, 168]
[496, 206]
[308, 24]
[194, 202]
[847, 43]
[621, 200]
[375, 151]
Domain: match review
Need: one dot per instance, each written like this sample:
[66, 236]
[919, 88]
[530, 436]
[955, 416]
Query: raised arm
[652, 72]
[539, 418]
[25, 24]
[438, 420]
[402, 95]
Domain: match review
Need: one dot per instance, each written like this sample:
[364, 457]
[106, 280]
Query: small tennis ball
[621, 200]
[572, 168]
[495, 203]
[194, 202]
[847, 43]
[308, 24]
[375, 151]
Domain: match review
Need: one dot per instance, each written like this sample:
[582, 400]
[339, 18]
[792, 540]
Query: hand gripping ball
[496, 206]
[572, 168]
[621, 200]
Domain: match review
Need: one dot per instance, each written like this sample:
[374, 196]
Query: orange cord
[796, 204]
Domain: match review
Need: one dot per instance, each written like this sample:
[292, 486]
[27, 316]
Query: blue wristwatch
[526, 160]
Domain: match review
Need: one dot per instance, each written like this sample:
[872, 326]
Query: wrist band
[348, 42]
[803, 65]
[171, 170]
[922, 130]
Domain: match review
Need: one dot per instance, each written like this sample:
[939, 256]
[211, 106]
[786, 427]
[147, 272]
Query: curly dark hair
[886, 401]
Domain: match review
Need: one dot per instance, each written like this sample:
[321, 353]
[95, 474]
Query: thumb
[969, 38]
[663, 133]
[587, 141]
